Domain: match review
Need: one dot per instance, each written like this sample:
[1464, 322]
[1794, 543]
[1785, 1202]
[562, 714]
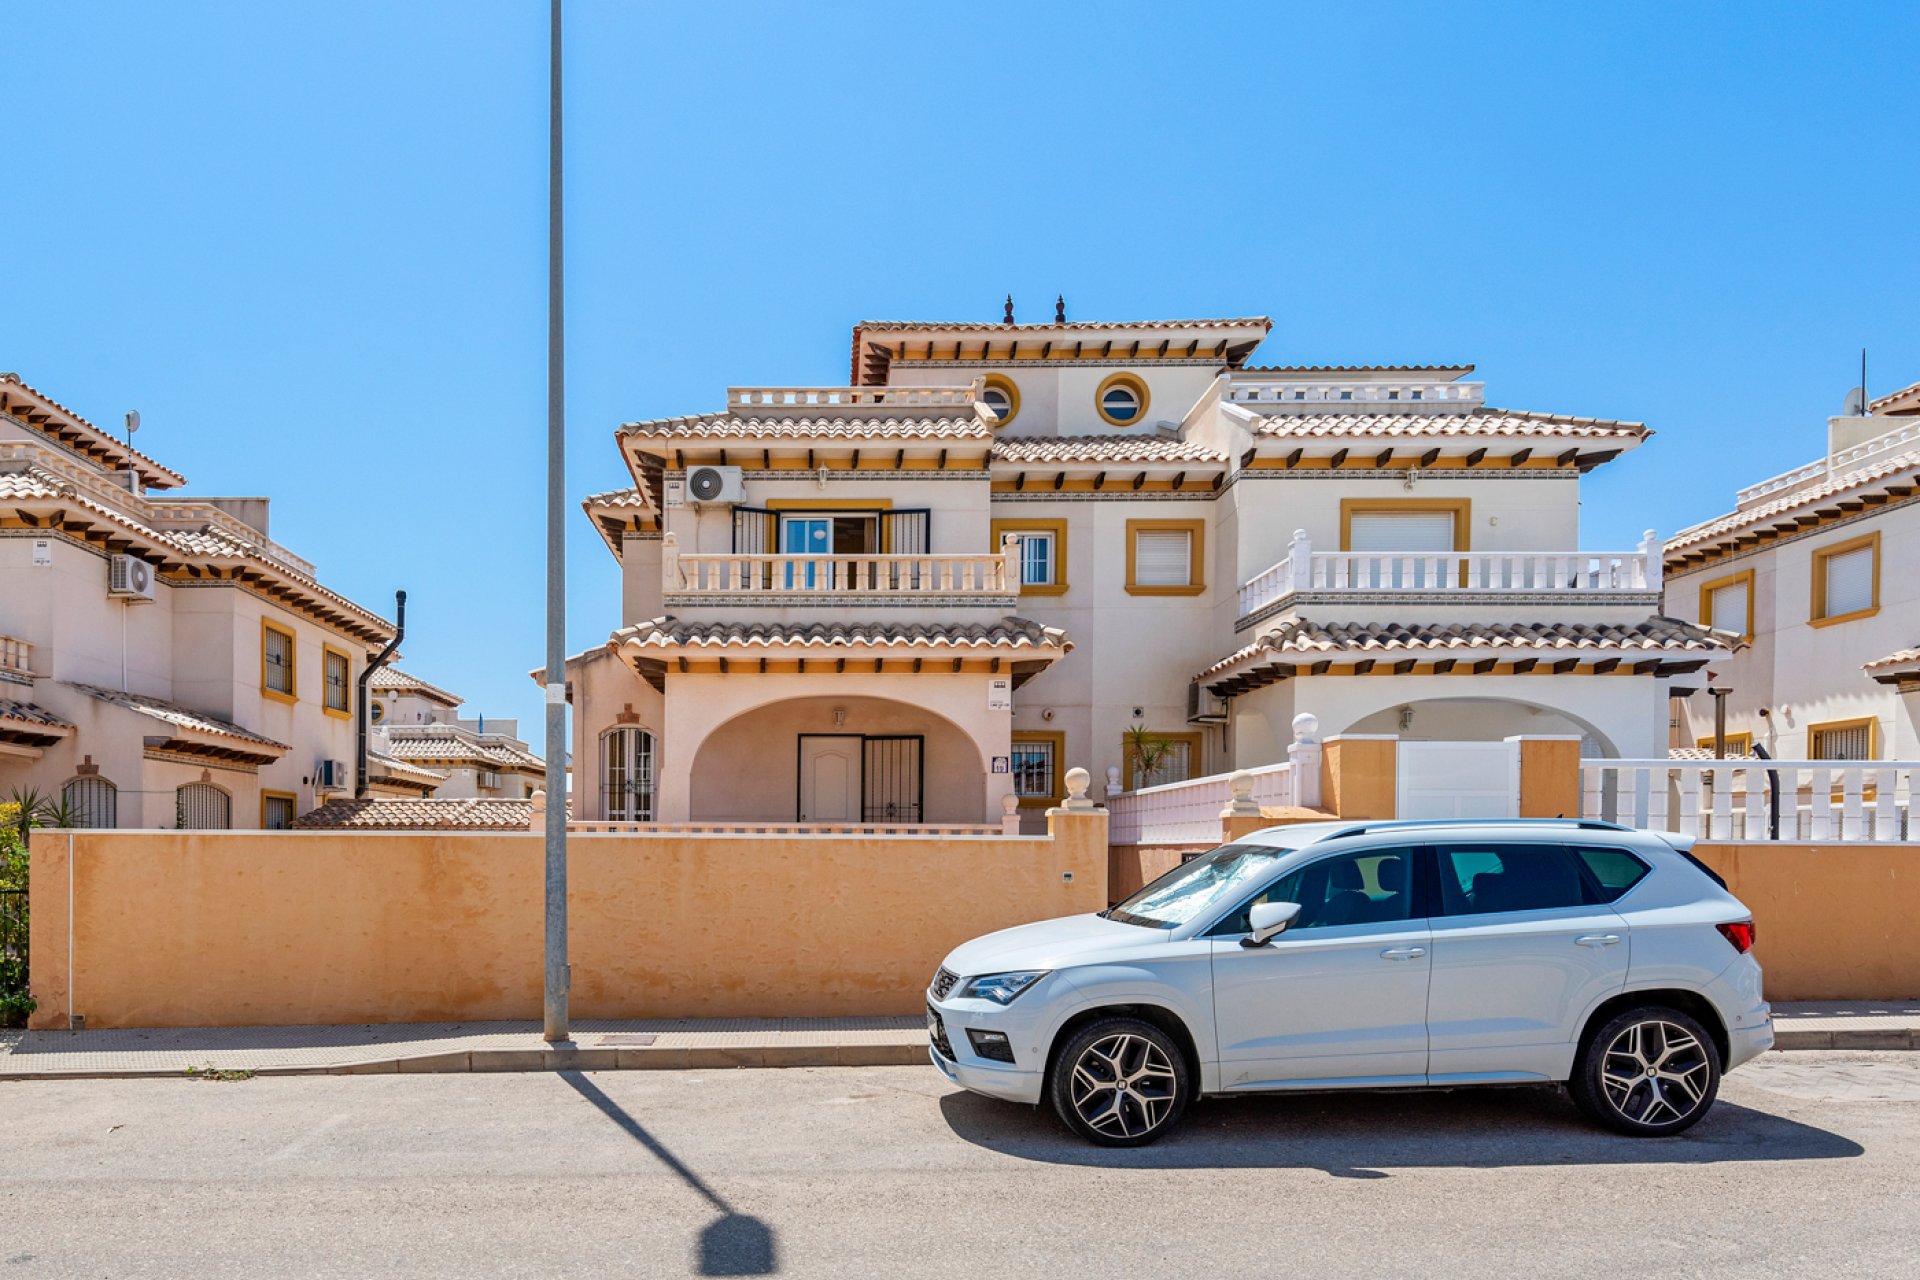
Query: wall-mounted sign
[675, 493]
[1003, 764]
[43, 551]
[1000, 694]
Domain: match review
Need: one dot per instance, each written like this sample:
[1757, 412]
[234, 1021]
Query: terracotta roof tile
[1042, 449]
[1902, 465]
[617, 498]
[152, 474]
[30, 714]
[393, 679]
[1656, 634]
[487, 752]
[1261, 323]
[391, 814]
[1003, 633]
[1480, 422]
[1898, 658]
[176, 715]
[33, 483]
[378, 764]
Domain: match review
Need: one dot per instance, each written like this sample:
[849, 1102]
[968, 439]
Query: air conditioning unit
[716, 484]
[331, 775]
[130, 578]
[1203, 707]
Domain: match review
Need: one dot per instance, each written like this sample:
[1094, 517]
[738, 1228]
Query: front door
[830, 777]
[1340, 998]
[1521, 951]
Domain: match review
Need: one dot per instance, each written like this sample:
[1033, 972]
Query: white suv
[1371, 955]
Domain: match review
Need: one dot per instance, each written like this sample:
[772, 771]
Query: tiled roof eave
[1724, 530]
[668, 635]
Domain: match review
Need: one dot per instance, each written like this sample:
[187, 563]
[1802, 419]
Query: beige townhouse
[1815, 568]
[1001, 550]
[163, 662]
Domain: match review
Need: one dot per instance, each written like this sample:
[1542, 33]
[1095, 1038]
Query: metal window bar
[626, 790]
[200, 806]
[1033, 769]
[95, 802]
[893, 778]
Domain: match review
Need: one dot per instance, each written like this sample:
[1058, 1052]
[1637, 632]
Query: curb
[561, 1059]
[1891, 1038]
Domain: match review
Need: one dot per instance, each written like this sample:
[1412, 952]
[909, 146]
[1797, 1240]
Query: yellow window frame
[1058, 528]
[292, 692]
[293, 805]
[1059, 741]
[1818, 613]
[1706, 600]
[1870, 723]
[1196, 744]
[1738, 744]
[1462, 509]
[1196, 551]
[334, 651]
[1132, 382]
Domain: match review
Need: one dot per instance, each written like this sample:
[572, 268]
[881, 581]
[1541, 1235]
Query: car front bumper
[1023, 1079]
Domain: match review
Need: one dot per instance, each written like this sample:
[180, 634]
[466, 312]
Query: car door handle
[1597, 939]
[1403, 953]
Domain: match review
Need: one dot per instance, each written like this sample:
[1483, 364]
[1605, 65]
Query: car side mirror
[1269, 920]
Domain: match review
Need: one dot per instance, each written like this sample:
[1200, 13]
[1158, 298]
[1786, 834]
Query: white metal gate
[1455, 780]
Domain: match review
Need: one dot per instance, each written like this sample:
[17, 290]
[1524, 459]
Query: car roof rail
[1391, 824]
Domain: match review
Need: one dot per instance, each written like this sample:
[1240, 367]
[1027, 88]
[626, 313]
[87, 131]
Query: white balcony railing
[1189, 812]
[732, 575]
[1321, 394]
[16, 658]
[1898, 440]
[1495, 572]
[837, 398]
[1737, 799]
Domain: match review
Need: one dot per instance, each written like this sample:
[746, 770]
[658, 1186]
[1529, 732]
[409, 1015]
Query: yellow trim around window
[1196, 550]
[293, 663]
[293, 804]
[1059, 741]
[1738, 744]
[1134, 384]
[329, 651]
[1462, 509]
[1195, 745]
[1870, 723]
[1706, 600]
[1818, 615]
[1058, 528]
[845, 506]
[1006, 387]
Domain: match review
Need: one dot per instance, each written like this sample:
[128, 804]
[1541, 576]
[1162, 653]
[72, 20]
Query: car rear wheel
[1647, 1072]
[1120, 1082]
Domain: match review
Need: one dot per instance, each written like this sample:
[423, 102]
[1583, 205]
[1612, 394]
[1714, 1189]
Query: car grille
[943, 983]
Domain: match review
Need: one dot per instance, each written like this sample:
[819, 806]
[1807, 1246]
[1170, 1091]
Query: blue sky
[307, 240]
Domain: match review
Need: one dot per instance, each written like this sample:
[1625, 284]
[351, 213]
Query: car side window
[1614, 871]
[1367, 886]
[1495, 877]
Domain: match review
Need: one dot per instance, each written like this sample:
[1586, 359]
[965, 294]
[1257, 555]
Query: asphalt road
[1809, 1167]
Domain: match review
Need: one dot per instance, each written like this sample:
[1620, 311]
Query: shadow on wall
[1366, 1136]
[734, 1244]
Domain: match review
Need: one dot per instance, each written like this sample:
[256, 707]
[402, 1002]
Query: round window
[1002, 399]
[1122, 399]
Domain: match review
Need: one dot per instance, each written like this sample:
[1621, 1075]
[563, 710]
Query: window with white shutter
[1729, 606]
[1845, 740]
[1408, 531]
[1846, 579]
[1164, 557]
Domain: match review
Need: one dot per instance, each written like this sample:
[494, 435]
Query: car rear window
[1614, 870]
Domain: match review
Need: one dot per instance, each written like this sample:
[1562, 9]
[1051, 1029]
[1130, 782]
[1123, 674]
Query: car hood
[1048, 944]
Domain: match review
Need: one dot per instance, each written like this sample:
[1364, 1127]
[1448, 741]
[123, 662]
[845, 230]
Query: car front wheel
[1120, 1082]
[1647, 1072]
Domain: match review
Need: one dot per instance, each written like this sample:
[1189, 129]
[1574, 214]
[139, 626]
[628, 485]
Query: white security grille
[627, 775]
[276, 813]
[1163, 558]
[1842, 742]
[1033, 767]
[200, 806]
[1174, 765]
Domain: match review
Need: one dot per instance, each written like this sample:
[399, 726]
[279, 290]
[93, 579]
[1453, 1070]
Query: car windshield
[1194, 888]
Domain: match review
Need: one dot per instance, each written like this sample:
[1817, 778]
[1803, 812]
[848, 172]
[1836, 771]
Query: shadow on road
[734, 1244]
[1366, 1136]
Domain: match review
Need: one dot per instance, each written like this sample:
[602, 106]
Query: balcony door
[1391, 539]
[827, 534]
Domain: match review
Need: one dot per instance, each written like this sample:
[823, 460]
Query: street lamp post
[558, 974]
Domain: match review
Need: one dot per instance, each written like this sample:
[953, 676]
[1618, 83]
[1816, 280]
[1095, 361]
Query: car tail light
[1740, 933]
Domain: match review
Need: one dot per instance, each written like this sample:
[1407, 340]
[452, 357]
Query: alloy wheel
[1656, 1072]
[1123, 1086]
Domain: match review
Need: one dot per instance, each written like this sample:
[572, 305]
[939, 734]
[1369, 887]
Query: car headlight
[1002, 988]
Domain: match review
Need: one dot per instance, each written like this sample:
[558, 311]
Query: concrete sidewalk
[653, 1044]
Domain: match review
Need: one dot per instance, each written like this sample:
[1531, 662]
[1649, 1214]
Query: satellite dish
[1856, 406]
[133, 421]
